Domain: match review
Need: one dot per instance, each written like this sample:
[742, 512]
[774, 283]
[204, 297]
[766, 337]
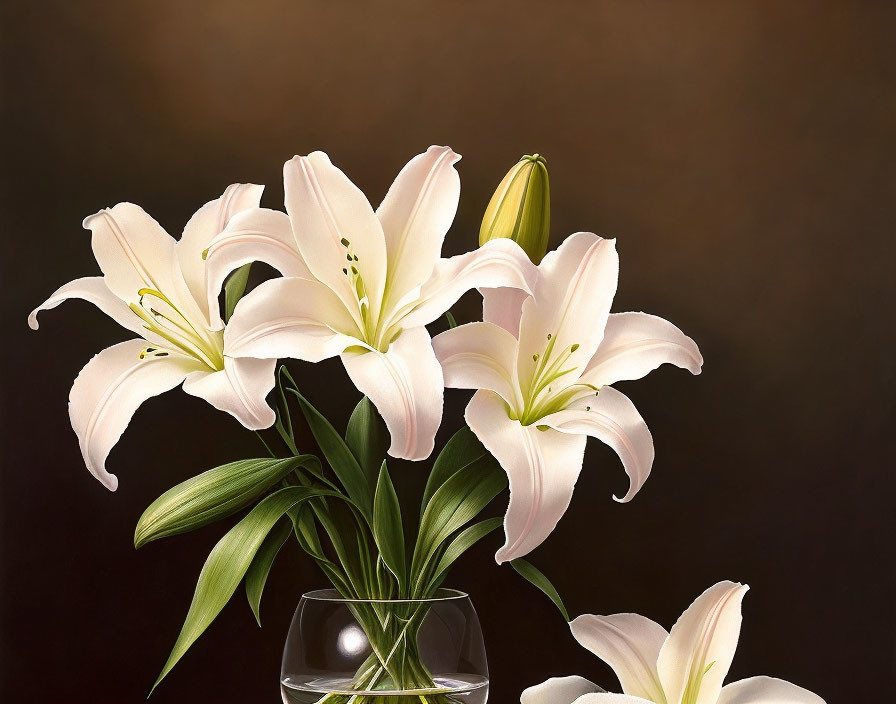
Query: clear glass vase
[389, 651]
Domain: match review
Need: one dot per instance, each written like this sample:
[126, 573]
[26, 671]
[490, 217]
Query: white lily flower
[362, 284]
[685, 666]
[156, 287]
[542, 365]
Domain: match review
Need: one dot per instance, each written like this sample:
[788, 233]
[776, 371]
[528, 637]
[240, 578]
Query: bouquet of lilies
[363, 285]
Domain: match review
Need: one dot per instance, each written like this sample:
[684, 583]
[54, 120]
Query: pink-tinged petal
[609, 698]
[258, 234]
[575, 287]
[205, 224]
[110, 389]
[635, 344]
[325, 208]
[701, 644]
[405, 384]
[613, 419]
[766, 690]
[134, 253]
[628, 643]
[542, 467]
[558, 690]
[504, 307]
[295, 318]
[92, 289]
[479, 356]
[239, 389]
[495, 264]
[415, 215]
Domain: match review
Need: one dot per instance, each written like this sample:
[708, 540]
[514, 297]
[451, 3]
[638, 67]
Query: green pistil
[547, 371]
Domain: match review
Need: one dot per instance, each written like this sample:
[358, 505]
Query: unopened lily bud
[520, 209]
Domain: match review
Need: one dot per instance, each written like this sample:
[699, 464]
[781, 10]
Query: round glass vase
[384, 651]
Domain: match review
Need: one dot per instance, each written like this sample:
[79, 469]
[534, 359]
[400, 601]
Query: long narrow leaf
[227, 564]
[464, 540]
[534, 575]
[339, 457]
[462, 450]
[257, 575]
[235, 288]
[367, 438]
[213, 495]
[387, 528]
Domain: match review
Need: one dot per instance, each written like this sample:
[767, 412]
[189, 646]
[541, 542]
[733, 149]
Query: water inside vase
[449, 689]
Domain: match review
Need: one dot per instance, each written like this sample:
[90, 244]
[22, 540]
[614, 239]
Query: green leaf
[387, 528]
[235, 288]
[462, 450]
[339, 457]
[457, 501]
[536, 577]
[367, 438]
[261, 565]
[228, 562]
[213, 495]
[463, 542]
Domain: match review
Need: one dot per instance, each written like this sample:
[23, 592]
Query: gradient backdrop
[742, 153]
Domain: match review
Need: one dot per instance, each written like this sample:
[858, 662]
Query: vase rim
[334, 596]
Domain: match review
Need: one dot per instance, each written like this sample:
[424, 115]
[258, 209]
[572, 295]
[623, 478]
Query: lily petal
[628, 643]
[635, 344]
[766, 690]
[559, 690]
[239, 389]
[613, 419]
[575, 287]
[109, 390]
[701, 645]
[325, 208]
[495, 264]
[289, 317]
[205, 224]
[92, 289]
[134, 252]
[504, 307]
[542, 467]
[405, 384]
[479, 356]
[609, 698]
[257, 234]
[415, 215]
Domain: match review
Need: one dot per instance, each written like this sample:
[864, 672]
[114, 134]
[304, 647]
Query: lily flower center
[548, 390]
[356, 282]
[164, 319]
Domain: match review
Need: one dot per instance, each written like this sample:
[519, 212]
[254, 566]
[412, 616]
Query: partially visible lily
[543, 365]
[362, 284]
[685, 666]
[156, 287]
[520, 208]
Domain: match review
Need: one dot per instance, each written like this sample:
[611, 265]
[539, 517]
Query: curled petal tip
[455, 157]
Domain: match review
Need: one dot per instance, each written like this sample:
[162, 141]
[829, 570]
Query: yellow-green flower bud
[520, 209]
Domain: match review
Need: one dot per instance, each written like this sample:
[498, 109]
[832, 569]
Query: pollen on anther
[574, 347]
[549, 336]
[534, 357]
[345, 242]
[345, 271]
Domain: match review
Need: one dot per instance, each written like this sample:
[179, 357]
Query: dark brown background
[743, 154]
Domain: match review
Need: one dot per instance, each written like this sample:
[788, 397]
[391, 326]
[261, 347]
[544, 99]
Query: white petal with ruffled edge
[110, 389]
[628, 643]
[205, 224]
[325, 207]
[294, 318]
[415, 215]
[701, 644]
[542, 468]
[258, 234]
[495, 264]
[92, 289]
[239, 389]
[575, 287]
[766, 690]
[405, 384]
[558, 690]
[635, 344]
[479, 356]
[613, 419]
